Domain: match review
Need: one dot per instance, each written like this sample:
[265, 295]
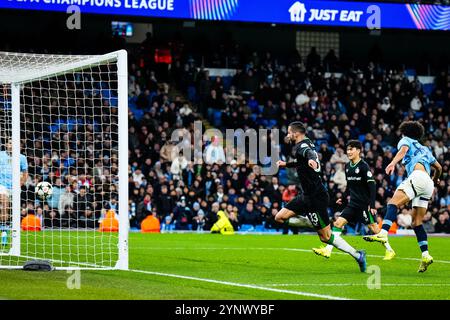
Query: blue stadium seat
[350, 230]
[260, 109]
[226, 82]
[217, 118]
[246, 227]
[54, 128]
[440, 104]
[253, 105]
[411, 72]
[428, 88]
[272, 123]
[282, 176]
[151, 96]
[113, 101]
[71, 123]
[260, 228]
[268, 123]
[106, 93]
[138, 114]
[418, 115]
[191, 93]
[132, 104]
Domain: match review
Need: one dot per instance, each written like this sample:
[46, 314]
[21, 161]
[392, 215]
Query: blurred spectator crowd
[365, 102]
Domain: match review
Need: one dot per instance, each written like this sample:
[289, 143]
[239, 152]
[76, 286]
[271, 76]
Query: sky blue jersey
[417, 153]
[6, 168]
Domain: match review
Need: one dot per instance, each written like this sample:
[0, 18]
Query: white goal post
[64, 120]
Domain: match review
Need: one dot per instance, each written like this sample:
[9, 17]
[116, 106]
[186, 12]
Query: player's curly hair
[412, 129]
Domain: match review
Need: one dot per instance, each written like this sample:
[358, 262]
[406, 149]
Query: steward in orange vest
[150, 224]
[31, 222]
[109, 223]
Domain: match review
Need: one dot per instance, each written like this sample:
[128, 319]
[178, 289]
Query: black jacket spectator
[249, 215]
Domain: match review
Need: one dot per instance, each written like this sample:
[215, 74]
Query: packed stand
[365, 103]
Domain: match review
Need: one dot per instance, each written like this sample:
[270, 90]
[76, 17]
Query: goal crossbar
[38, 74]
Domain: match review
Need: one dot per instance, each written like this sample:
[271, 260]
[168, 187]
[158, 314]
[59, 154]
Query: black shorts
[358, 214]
[314, 207]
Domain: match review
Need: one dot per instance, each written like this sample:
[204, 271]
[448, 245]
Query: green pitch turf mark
[287, 249]
[246, 259]
[256, 287]
[255, 260]
[355, 284]
[369, 255]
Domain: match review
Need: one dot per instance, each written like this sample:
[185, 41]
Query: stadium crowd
[366, 103]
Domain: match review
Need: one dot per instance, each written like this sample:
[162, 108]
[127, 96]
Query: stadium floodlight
[64, 120]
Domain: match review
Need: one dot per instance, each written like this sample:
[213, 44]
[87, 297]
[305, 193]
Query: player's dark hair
[298, 126]
[412, 129]
[354, 144]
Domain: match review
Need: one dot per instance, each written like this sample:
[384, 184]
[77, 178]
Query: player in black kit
[313, 202]
[361, 207]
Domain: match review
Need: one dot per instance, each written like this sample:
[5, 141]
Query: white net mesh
[69, 137]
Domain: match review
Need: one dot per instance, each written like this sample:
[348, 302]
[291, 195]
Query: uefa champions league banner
[301, 12]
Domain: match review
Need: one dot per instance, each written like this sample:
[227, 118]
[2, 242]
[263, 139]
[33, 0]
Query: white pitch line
[286, 249]
[241, 285]
[356, 284]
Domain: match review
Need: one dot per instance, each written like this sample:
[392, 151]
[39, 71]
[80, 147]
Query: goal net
[63, 120]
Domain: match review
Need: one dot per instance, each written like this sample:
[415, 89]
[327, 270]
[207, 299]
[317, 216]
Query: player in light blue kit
[6, 179]
[418, 187]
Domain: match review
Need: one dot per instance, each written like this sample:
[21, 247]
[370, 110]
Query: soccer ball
[44, 190]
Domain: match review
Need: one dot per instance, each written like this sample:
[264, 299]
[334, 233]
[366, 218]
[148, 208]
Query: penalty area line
[241, 285]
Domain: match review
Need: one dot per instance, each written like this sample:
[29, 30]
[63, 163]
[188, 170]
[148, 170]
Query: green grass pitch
[205, 266]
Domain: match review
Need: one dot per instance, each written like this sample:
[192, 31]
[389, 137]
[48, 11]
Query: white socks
[342, 245]
[299, 221]
[330, 247]
[388, 246]
[336, 234]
